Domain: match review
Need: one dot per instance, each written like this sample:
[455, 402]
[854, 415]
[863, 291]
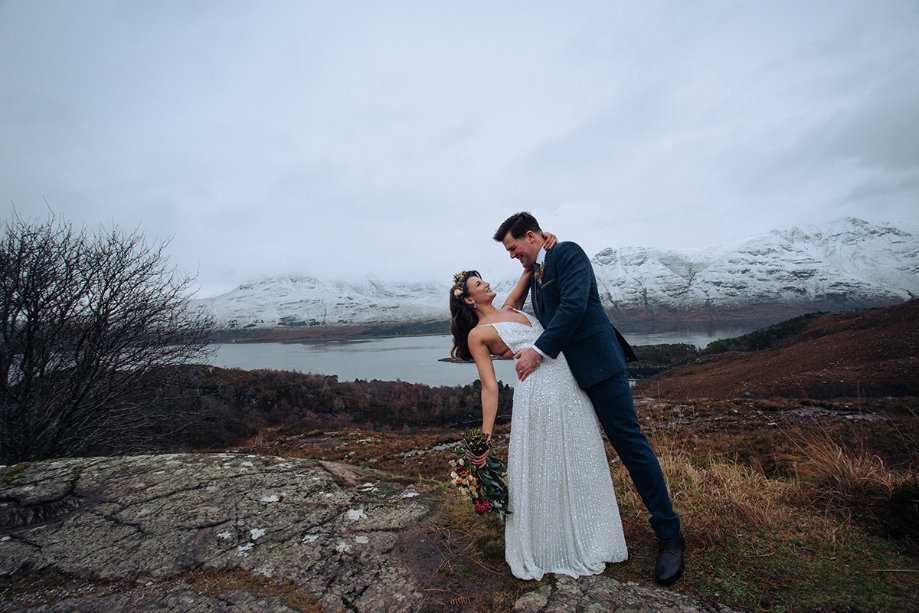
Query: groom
[565, 298]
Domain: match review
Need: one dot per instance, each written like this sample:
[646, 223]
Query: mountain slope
[845, 265]
[850, 264]
[855, 354]
[307, 301]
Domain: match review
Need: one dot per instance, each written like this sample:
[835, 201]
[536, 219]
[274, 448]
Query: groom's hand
[527, 361]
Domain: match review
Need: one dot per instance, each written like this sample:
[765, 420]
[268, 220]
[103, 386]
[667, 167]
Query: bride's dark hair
[463, 316]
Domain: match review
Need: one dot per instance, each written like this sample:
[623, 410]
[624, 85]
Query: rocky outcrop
[598, 594]
[153, 517]
[342, 538]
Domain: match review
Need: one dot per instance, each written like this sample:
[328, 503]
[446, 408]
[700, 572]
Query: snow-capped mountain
[847, 264]
[306, 301]
[850, 262]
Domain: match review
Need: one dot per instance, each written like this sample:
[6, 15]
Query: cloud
[882, 131]
[349, 139]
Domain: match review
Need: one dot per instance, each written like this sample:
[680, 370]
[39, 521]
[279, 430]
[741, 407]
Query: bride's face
[479, 291]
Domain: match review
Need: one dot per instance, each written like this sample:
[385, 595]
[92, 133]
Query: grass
[781, 514]
[755, 545]
[471, 568]
[215, 583]
[812, 542]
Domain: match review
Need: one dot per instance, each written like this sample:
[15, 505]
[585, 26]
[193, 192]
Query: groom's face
[525, 248]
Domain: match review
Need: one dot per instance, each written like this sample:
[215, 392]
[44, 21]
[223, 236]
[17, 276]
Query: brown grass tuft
[850, 483]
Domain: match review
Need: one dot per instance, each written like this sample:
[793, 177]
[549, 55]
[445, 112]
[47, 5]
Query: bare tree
[84, 320]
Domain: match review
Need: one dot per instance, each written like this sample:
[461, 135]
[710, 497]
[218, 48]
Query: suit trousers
[612, 400]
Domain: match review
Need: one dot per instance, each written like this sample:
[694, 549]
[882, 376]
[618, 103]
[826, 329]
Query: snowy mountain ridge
[847, 264]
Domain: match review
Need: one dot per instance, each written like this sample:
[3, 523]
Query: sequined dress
[564, 516]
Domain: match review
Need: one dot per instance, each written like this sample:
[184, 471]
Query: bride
[563, 512]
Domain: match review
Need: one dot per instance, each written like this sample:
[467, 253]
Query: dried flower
[477, 442]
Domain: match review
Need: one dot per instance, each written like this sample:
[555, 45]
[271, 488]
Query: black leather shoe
[670, 562]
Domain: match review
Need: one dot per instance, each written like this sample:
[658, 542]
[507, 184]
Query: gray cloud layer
[352, 138]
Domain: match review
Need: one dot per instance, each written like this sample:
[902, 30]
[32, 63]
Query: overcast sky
[385, 138]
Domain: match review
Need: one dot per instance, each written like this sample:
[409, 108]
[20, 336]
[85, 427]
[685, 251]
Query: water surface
[414, 359]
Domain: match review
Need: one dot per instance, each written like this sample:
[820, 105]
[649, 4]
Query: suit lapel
[533, 297]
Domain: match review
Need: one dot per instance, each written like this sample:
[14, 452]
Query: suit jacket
[567, 304]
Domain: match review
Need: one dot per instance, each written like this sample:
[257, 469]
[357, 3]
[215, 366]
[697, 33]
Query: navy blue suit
[567, 304]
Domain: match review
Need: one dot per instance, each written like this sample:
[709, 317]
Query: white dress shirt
[541, 259]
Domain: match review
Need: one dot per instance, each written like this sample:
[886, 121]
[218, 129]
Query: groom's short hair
[518, 225]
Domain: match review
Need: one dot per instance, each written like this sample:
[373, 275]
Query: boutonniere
[538, 271]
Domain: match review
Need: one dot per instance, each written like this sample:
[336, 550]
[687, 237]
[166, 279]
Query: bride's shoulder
[481, 331]
[509, 313]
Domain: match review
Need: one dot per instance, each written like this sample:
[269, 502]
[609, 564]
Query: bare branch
[83, 320]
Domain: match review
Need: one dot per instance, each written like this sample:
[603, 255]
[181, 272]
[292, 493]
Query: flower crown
[459, 283]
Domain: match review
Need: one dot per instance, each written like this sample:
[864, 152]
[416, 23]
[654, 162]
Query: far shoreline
[308, 335]
[652, 320]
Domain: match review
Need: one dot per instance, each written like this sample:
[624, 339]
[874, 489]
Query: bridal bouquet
[486, 487]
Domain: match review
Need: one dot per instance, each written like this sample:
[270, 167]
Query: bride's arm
[486, 368]
[518, 297]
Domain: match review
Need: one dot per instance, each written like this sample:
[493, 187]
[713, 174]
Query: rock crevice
[342, 538]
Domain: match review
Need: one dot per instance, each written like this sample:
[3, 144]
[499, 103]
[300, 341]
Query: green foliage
[667, 353]
[762, 339]
[653, 359]
[235, 404]
[486, 487]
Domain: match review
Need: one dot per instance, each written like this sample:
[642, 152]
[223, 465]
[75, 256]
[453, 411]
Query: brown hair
[518, 225]
[463, 316]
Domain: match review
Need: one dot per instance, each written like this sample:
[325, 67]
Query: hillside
[855, 354]
[308, 476]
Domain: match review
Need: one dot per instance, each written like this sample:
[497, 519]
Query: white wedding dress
[564, 516]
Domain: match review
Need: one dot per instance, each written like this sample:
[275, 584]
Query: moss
[213, 583]
[9, 474]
